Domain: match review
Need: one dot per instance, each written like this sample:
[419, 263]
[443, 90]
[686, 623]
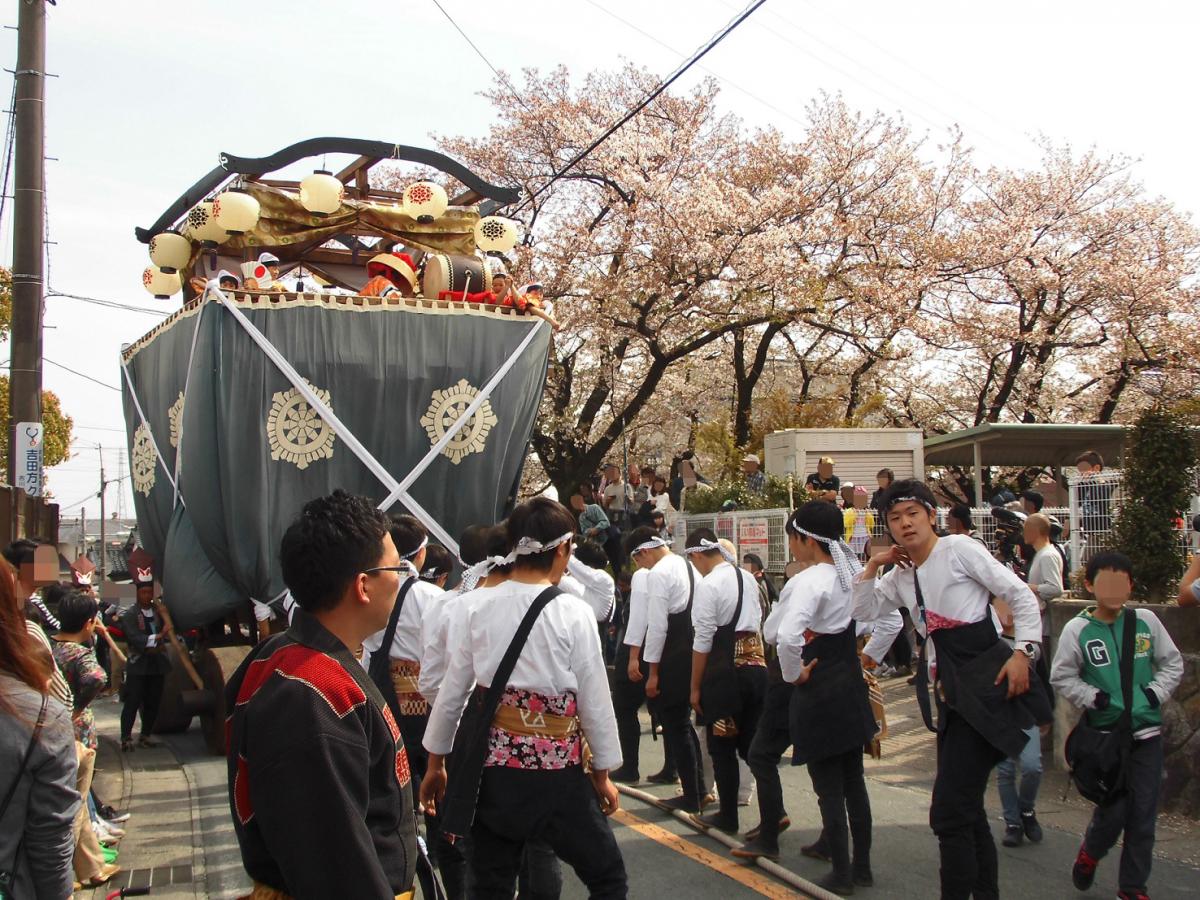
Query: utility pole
[29, 222]
[103, 545]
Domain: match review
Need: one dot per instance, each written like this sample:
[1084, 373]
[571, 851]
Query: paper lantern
[161, 284]
[170, 251]
[495, 234]
[235, 211]
[321, 194]
[201, 225]
[425, 201]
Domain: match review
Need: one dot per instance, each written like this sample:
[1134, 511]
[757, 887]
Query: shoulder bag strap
[509, 661]
[737, 610]
[691, 584]
[922, 680]
[1128, 642]
[33, 738]
[380, 665]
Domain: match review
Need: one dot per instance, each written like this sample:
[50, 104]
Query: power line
[500, 76]
[81, 375]
[111, 304]
[646, 101]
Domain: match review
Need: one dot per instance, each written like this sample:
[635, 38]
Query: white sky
[150, 92]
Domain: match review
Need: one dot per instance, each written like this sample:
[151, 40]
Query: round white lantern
[170, 251]
[236, 211]
[425, 201]
[201, 225]
[161, 284]
[321, 194]
[495, 234]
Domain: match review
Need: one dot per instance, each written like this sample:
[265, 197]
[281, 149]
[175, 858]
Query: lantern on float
[495, 234]
[235, 211]
[425, 201]
[161, 284]
[201, 225]
[170, 251]
[321, 194]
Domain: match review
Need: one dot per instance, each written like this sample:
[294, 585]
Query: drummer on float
[390, 274]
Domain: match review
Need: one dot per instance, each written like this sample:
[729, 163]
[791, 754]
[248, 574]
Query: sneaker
[842, 885]
[109, 814]
[863, 876]
[1032, 829]
[1083, 873]
[753, 833]
[1132, 895]
[663, 777]
[715, 820]
[883, 670]
[745, 801]
[107, 829]
[1013, 835]
[816, 850]
[755, 848]
[109, 854]
[625, 775]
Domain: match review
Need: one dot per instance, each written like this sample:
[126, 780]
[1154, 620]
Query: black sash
[675, 667]
[831, 713]
[719, 694]
[380, 666]
[471, 739]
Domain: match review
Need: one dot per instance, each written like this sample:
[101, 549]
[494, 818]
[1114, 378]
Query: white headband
[421, 546]
[706, 545]
[527, 546]
[844, 559]
[653, 544]
[909, 499]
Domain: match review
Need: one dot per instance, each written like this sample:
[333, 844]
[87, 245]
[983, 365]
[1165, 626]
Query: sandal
[126, 745]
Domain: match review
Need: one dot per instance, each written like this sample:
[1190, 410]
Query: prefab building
[858, 453]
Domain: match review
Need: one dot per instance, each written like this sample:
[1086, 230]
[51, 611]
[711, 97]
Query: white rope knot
[528, 546]
[844, 559]
[653, 544]
[472, 575]
[706, 546]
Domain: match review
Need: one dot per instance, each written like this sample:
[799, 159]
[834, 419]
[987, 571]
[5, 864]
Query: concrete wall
[1181, 715]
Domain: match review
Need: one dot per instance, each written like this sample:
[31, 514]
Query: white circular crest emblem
[143, 461]
[297, 434]
[175, 418]
[444, 409]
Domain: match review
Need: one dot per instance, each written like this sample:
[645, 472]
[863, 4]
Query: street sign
[29, 458]
[754, 536]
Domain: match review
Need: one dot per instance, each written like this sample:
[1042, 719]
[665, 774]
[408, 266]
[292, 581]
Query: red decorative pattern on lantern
[420, 194]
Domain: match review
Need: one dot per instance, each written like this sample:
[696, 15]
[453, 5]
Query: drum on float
[449, 277]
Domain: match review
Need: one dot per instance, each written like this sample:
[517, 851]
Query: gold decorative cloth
[263, 892]
[405, 673]
[748, 649]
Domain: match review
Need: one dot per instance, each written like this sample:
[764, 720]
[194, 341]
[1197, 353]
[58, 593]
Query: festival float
[333, 334]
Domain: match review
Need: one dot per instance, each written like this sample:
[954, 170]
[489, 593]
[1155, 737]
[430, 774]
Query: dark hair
[637, 537]
[649, 469]
[21, 552]
[1035, 498]
[886, 473]
[1091, 457]
[909, 487]
[438, 562]
[1196, 523]
[698, 535]
[497, 545]
[591, 554]
[540, 519]
[820, 517]
[755, 560]
[1108, 561]
[473, 543]
[407, 535]
[658, 514]
[328, 545]
[962, 513]
[52, 594]
[75, 610]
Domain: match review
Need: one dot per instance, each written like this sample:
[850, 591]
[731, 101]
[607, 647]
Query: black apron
[720, 697]
[831, 713]
[675, 667]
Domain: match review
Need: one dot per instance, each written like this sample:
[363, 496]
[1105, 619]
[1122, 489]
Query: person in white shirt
[668, 653]
[396, 669]
[947, 584]
[532, 784]
[629, 684]
[729, 669]
[831, 716]
[586, 579]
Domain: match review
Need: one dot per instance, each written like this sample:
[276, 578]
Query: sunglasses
[405, 568]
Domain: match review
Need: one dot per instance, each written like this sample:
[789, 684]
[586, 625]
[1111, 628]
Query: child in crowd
[1087, 672]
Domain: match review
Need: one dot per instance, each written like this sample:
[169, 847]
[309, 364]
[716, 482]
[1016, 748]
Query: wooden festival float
[250, 400]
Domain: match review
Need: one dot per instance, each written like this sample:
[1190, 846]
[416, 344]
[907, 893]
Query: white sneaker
[107, 834]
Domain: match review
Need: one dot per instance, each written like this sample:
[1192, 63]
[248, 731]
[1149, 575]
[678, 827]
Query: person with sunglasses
[318, 774]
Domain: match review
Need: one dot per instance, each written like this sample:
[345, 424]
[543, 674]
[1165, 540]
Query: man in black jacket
[318, 776]
[146, 671]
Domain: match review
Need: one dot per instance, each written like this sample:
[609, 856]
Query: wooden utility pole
[29, 218]
[103, 545]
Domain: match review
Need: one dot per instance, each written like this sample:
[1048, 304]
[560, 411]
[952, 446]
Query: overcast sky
[150, 92]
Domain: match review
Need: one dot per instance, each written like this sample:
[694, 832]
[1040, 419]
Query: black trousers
[683, 747]
[771, 739]
[142, 694]
[557, 807]
[1134, 814]
[841, 789]
[541, 874]
[724, 751]
[412, 731]
[451, 859]
[956, 813]
[628, 697]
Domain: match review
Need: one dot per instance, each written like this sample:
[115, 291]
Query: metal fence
[1087, 523]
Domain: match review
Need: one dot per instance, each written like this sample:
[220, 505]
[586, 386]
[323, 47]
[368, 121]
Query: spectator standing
[38, 762]
[823, 484]
[958, 521]
[756, 481]
[616, 496]
[884, 478]
[1032, 502]
[1189, 585]
[1095, 494]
